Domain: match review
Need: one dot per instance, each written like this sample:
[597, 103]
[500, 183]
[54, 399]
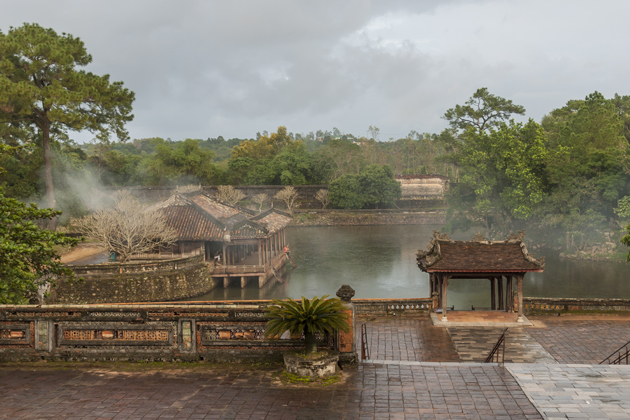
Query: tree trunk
[311, 344]
[50, 192]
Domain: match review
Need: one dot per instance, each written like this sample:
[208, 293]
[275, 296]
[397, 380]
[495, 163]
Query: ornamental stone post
[346, 342]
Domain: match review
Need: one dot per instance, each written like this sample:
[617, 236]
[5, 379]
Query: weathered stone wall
[155, 194]
[137, 282]
[367, 218]
[432, 196]
[214, 331]
[536, 305]
[422, 186]
[137, 332]
[384, 307]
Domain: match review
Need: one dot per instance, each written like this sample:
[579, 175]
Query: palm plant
[308, 316]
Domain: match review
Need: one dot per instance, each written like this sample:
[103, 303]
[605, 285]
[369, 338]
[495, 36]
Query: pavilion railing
[619, 356]
[495, 350]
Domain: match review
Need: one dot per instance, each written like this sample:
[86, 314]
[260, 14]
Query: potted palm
[318, 315]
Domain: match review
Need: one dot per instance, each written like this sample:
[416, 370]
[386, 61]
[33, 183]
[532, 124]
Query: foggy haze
[203, 69]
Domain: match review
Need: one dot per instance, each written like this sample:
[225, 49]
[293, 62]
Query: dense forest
[565, 178]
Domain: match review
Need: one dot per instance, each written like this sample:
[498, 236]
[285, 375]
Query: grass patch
[291, 378]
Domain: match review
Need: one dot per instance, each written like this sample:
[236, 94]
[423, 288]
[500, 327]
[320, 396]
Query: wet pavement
[580, 339]
[411, 339]
[417, 371]
[236, 392]
[474, 344]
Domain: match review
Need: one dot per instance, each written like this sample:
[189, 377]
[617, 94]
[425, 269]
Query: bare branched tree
[322, 197]
[230, 194]
[288, 195]
[128, 228]
[260, 199]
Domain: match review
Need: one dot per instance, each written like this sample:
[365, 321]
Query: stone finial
[345, 293]
[479, 237]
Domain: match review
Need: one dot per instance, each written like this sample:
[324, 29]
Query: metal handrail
[365, 351]
[494, 352]
[619, 355]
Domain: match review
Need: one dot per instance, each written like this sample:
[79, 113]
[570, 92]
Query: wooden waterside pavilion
[237, 242]
[501, 262]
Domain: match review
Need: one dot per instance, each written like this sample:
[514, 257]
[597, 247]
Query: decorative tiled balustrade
[532, 304]
[224, 330]
[381, 307]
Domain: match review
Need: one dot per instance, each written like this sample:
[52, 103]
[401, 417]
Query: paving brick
[236, 392]
[580, 341]
[411, 339]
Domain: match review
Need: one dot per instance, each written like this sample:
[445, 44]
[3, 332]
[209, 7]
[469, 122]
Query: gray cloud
[204, 68]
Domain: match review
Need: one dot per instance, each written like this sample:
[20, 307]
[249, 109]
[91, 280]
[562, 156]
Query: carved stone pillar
[346, 343]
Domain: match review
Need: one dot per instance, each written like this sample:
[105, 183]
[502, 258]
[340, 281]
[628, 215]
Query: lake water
[380, 262]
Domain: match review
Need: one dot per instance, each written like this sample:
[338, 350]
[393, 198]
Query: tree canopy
[482, 111]
[28, 259]
[375, 186]
[43, 90]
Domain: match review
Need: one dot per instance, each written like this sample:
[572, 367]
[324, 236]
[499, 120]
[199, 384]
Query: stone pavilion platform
[480, 319]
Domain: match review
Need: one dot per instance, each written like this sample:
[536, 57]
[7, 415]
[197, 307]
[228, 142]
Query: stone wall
[212, 331]
[422, 186]
[384, 307]
[541, 305]
[429, 194]
[215, 331]
[155, 194]
[154, 281]
[367, 218]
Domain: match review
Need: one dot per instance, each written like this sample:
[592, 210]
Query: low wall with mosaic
[154, 281]
[213, 331]
[394, 307]
[540, 305]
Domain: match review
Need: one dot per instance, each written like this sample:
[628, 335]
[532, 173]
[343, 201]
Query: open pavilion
[501, 262]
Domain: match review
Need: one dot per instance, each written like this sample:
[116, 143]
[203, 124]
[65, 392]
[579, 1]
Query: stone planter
[321, 366]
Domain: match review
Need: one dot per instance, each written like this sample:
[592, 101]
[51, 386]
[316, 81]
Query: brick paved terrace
[580, 339]
[566, 339]
[411, 339]
[241, 392]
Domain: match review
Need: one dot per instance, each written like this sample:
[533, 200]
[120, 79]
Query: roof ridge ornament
[516, 237]
[479, 238]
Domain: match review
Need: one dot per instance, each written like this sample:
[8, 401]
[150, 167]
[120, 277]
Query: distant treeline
[564, 177]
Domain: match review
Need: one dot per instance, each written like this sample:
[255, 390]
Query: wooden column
[444, 297]
[501, 297]
[260, 262]
[509, 295]
[519, 285]
[224, 255]
[493, 294]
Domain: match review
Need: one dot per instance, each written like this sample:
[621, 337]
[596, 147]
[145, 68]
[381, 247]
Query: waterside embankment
[367, 217]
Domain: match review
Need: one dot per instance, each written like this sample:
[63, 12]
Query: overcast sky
[207, 68]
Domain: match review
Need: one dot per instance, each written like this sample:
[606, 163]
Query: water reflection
[379, 262]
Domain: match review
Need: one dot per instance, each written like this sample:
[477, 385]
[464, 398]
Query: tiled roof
[273, 220]
[200, 217]
[478, 256]
[214, 207]
[191, 225]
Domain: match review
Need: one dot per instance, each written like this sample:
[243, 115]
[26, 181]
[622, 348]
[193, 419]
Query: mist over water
[380, 262]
